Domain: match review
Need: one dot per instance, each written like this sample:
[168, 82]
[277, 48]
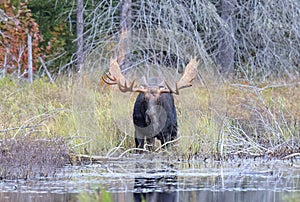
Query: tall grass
[217, 121]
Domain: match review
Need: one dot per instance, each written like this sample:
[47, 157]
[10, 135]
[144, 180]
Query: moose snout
[150, 115]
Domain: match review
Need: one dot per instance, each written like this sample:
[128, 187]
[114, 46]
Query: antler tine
[110, 80]
[115, 76]
[186, 79]
[126, 88]
[169, 90]
[115, 72]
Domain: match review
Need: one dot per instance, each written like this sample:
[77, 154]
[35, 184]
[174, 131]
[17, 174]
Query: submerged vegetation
[48, 123]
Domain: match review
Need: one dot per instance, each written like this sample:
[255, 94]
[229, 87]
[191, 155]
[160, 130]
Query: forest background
[245, 101]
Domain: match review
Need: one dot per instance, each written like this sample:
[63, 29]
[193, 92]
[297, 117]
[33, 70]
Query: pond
[151, 178]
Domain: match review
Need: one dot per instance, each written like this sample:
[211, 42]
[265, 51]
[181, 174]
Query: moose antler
[188, 76]
[115, 76]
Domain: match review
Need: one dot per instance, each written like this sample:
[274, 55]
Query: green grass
[219, 120]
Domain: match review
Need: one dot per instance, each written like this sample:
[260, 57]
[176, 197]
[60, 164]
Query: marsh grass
[216, 121]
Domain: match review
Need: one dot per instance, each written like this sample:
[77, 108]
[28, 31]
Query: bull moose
[154, 113]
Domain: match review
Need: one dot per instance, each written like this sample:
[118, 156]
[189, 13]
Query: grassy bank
[215, 120]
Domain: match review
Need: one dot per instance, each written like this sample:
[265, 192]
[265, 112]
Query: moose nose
[149, 116]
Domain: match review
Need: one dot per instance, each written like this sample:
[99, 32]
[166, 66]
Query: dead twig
[291, 156]
[46, 70]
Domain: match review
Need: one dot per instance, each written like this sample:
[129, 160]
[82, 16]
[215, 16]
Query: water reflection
[36, 197]
[153, 192]
[176, 196]
[152, 180]
[161, 187]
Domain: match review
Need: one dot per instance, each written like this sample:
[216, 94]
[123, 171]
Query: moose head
[154, 113]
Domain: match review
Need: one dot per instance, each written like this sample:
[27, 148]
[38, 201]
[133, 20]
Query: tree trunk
[225, 57]
[5, 64]
[125, 34]
[30, 70]
[79, 32]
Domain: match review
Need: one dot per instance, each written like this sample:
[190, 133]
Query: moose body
[154, 114]
[154, 117]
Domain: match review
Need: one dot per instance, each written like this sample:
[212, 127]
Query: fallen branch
[96, 158]
[169, 142]
[46, 70]
[291, 156]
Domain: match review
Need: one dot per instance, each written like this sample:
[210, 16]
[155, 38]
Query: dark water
[152, 179]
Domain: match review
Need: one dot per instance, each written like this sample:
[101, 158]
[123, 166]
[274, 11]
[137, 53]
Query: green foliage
[57, 25]
[57, 20]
